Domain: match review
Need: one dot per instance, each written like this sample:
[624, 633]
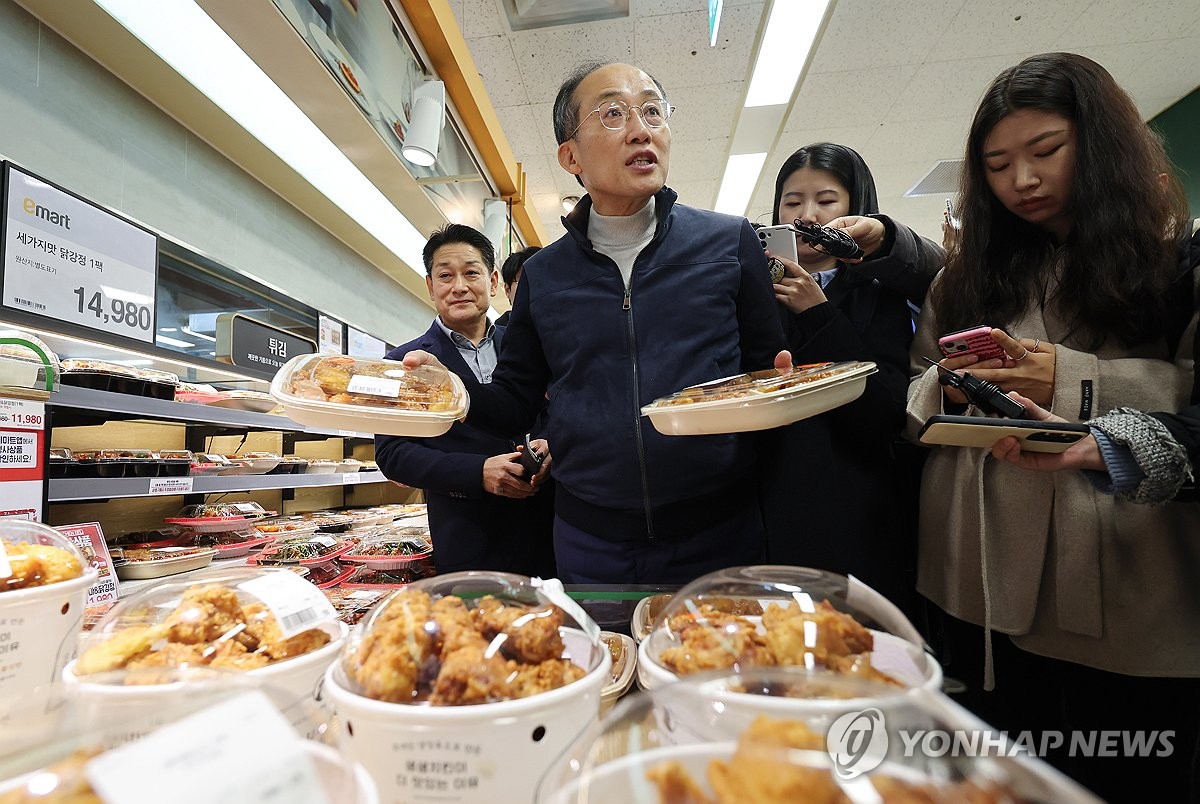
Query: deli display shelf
[140, 407]
[73, 489]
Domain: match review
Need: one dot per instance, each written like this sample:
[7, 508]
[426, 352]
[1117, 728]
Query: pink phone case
[974, 341]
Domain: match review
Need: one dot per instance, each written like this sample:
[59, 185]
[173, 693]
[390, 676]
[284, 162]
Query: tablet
[984, 431]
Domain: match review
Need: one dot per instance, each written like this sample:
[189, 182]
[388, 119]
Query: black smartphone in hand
[531, 460]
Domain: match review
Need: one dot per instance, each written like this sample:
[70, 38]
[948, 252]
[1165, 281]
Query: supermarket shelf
[69, 489]
[142, 407]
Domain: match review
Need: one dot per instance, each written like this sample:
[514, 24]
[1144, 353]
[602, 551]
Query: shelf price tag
[351, 477]
[22, 468]
[170, 485]
[68, 259]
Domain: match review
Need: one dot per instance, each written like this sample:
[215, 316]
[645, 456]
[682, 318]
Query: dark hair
[458, 233]
[512, 266]
[1120, 255]
[844, 163]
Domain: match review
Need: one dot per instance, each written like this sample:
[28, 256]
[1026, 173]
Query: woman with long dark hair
[859, 513]
[1072, 609]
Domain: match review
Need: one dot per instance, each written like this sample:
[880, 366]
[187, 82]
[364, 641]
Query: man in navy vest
[482, 511]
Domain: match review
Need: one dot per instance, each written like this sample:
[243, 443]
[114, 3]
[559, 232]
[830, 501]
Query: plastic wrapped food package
[684, 742]
[310, 550]
[382, 550]
[286, 526]
[760, 400]
[768, 616]
[496, 672]
[44, 579]
[28, 368]
[158, 537]
[368, 577]
[211, 517]
[144, 563]
[379, 396]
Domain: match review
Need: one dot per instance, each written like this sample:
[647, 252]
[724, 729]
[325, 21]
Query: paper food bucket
[39, 635]
[479, 754]
[293, 685]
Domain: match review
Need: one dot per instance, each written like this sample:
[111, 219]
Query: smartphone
[780, 241]
[984, 432]
[531, 460]
[976, 340]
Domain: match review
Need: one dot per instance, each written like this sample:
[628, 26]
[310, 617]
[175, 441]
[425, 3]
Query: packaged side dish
[378, 396]
[28, 369]
[760, 400]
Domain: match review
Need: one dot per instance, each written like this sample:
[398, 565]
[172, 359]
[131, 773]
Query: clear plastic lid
[61, 454]
[175, 455]
[286, 526]
[75, 364]
[314, 549]
[766, 616]
[764, 385]
[687, 743]
[126, 455]
[385, 550]
[28, 368]
[32, 555]
[240, 619]
[157, 537]
[369, 395]
[471, 638]
[155, 375]
[239, 510]
[369, 577]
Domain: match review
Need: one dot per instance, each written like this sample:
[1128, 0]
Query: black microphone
[984, 395]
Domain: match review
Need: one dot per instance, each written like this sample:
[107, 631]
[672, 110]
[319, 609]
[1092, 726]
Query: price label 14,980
[68, 259]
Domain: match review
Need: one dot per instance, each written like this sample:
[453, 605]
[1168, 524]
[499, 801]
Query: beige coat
[1071, 573]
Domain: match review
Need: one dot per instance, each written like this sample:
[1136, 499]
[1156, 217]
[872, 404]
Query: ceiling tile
[917, 141]
[1168, 68]
[894, 179]
[482, 18]
[698, 160]
[521, 129]
[855, 137]
[497, 67]
[702, 194]
[543, 117]
[851, 98]
[546, 55]
[707, 109]
[859, 34]
[947, 89]
[1115, 22]
[655, 8]
[1002, 27]
[674, 48]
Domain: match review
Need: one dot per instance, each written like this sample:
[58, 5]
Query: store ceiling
[896, 80]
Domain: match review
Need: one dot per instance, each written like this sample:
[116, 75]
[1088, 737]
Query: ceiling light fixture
[495, 223]
[791, 30]
[425, 128]
[187, 39]
[174, 342]
[569, 202]
[737, 185]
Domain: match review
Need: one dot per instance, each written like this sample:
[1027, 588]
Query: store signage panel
[23, 450]
[360, 344]
[67, 259]
[245, 342]
[89, 538]
[330, 335]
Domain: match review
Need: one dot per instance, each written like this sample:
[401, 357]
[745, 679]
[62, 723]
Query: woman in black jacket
[856, 486]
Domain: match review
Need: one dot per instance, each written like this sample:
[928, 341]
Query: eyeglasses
[616, 115]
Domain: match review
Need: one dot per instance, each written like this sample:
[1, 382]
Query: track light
[569, 202]
[425, 127]
[495, 222]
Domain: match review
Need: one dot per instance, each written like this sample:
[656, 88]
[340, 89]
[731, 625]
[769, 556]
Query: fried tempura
[545, 676]
[117, 651]
[205, 613]
[471, 676]
[388, 662]
[711, 639]
[675, 785]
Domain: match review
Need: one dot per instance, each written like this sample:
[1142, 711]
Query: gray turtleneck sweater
[622, 237]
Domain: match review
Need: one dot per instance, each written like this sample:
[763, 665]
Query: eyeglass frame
[670, 110]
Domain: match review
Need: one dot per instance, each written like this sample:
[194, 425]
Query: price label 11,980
[68, 259]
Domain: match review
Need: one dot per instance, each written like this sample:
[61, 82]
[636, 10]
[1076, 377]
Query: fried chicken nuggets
[36, 565]
[450, 655]
[209, 627]
[711, 639]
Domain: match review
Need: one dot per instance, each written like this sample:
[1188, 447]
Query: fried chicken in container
[456, 651]
[27, 565]
[211, 624]
[767, 616]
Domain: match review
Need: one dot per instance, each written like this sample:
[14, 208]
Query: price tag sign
[22, 467]
[68, 259]
[89, 537]
[296, 603]
[171, 485]
[351, 477]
